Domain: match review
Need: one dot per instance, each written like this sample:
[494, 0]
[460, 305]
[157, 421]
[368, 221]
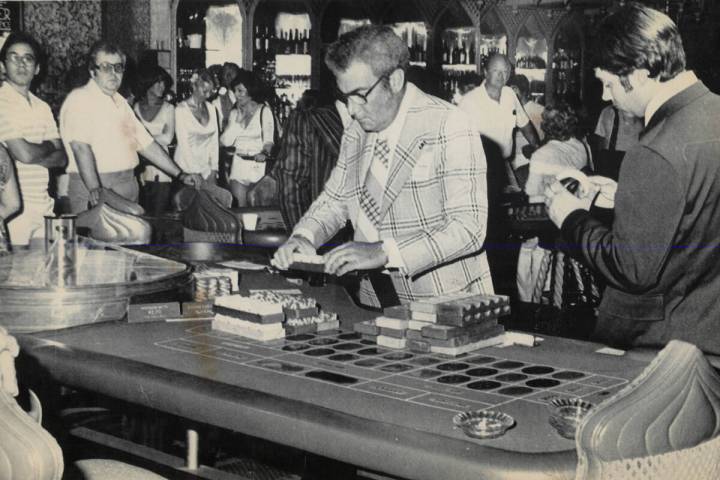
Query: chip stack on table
[248, 317]
[302, 314]
[457, 325]
[218, 272]
[214, 282]
[368, 330]
[393, 325]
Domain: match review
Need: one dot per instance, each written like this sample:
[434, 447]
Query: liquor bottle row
[418, 53]
[289, 42]
[283, 108]
[566, 71]
[455, 81]
[184, 86]
[486, 53]
[458, 54]
[414, 35]
[531, 62]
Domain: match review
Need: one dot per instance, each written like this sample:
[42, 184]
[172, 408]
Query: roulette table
[337, 395]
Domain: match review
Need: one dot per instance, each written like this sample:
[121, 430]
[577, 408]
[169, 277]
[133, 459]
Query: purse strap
[615, 128]
[262, 130]
[588, 155]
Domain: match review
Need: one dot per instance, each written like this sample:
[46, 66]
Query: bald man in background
[495, 111]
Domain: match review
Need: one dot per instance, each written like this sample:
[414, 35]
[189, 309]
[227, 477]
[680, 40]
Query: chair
[116, 220]
[207, 220]
[664, 425]
[28, 451]
[186, 195]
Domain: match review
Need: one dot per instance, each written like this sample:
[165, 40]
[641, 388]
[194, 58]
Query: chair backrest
[664, 425]
[206, 220]
[27, 451]
[109, 224]
[186, 196]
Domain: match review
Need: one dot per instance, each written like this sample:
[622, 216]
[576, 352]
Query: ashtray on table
[483, 423]
[566, 414]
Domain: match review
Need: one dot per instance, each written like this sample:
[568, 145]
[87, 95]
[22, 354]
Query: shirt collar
[95, 89]
[487, 95]
[392, 132]
[667, 90]
[10, 90]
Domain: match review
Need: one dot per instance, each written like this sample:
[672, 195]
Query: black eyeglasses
[110, 67]
[357, 97]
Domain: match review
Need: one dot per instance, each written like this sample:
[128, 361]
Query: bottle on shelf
[462, 55]
[259, 41]
[297, 47]
[268, 40]
[306, 42]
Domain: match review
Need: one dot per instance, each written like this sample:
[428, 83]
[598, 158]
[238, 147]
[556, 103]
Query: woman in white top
[196, 129]
[158, 116]
[561, 151]
[250, 130]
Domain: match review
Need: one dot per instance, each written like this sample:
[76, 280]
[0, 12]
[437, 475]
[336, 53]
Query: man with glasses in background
[410, 177]
[30, 135]
[102, 135]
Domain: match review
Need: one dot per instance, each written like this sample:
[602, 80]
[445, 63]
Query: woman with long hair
[196, 129]
[250, 129]
[158, 116]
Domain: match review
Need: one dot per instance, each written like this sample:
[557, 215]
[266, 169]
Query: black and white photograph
[360, 240]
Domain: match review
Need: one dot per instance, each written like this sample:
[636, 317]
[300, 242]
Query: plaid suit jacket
[435, 199]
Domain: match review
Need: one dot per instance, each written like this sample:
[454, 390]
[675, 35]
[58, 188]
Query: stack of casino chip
[368, 330]
[269, 315]
[205, 289]
[393, 325]
[323, 321]
[449, 325]
[208, 288]
[248, 317]
[224, 287]
[302, 314]
[457, 324]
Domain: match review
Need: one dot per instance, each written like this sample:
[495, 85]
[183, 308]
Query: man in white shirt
[29, 132]
[495, 110]
[102, 135]
[410, 177]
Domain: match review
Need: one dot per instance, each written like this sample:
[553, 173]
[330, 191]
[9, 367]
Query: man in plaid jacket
[410, 178]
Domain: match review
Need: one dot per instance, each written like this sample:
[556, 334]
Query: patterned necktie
[376, 289]
[382, 152]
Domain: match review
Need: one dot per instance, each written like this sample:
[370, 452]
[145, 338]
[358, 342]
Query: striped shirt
[308, 152]
[32, 121]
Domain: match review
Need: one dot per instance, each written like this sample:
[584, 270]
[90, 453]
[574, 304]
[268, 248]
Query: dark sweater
[661, 256]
